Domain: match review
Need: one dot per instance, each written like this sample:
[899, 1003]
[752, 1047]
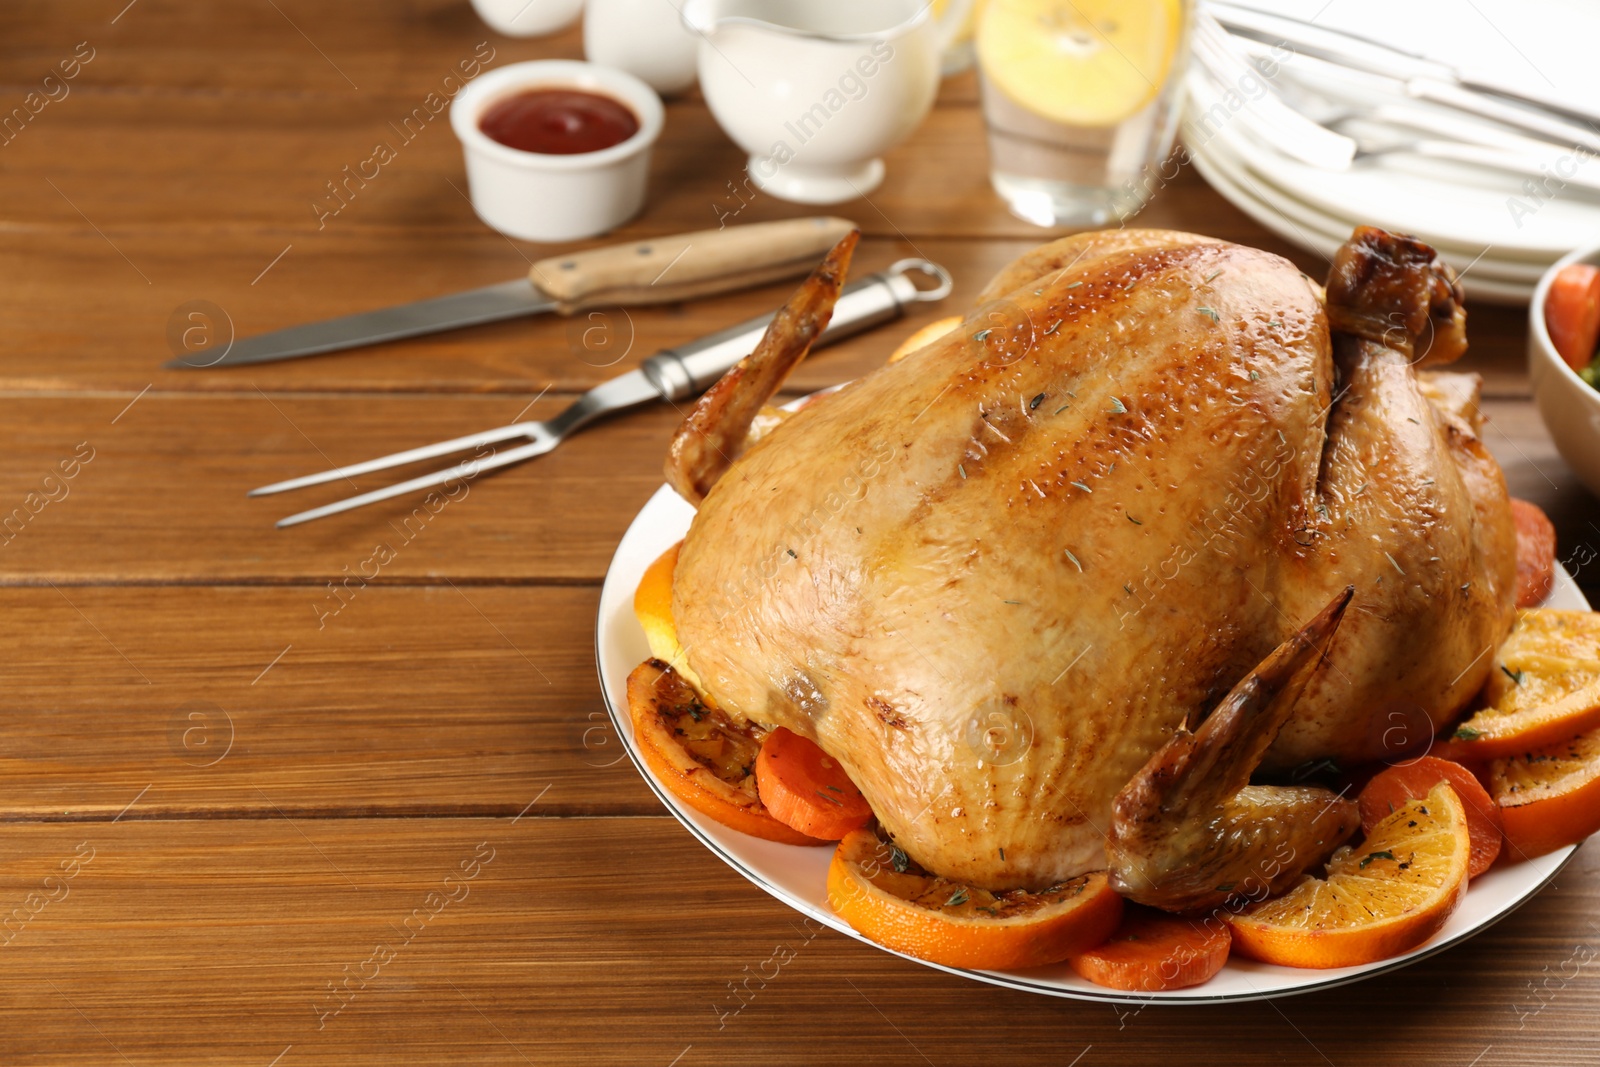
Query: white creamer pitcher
[815, 90]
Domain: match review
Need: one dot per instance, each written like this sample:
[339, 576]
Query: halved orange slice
[925, 337]
[1549, 797]
[1414, 778]
[704, 758]
[1079, 62]
[883, 895]
[652, 606]
[1545, 688]
[1381, 898]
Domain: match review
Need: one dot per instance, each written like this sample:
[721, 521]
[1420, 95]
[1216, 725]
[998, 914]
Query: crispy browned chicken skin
[995, 579]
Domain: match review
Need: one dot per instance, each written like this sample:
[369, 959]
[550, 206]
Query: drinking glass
[957, 16]
[1081, 101]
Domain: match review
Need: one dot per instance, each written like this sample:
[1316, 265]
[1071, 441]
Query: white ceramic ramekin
[528, 18]
[1568, 405]
[539, 197]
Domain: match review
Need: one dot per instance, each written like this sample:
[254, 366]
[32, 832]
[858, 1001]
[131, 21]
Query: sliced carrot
[1536, 553]
[805, 788]
[1572, 313]
[1152, 951]
[1390, 790]
[701, 756]
[1549, 797]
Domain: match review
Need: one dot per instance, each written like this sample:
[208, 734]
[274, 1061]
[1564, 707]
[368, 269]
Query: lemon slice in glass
[1080, 62]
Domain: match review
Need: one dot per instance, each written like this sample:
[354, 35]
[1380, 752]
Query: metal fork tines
[542, 436]
[673, 374]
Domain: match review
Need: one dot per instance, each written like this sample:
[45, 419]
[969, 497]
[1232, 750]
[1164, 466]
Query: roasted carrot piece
[805, 788]
[1152, 951]
[1536, 553]
[1572, 313]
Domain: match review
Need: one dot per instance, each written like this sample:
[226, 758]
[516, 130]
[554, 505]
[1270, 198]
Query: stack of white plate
[1500, 230]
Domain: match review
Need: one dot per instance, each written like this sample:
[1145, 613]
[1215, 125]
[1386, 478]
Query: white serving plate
[1303, 226]
[1450, 205]
[1219, 153]
[1468, 211]
[797, 875]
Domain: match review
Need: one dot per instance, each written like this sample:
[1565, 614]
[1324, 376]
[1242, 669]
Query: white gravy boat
[816, 90]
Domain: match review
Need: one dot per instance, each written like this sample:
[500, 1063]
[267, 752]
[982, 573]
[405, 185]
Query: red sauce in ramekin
[558, 122]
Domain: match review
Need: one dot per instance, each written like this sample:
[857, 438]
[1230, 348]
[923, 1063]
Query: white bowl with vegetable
[1563, 331]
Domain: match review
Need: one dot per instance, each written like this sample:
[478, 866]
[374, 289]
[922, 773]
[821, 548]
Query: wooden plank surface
[250, 700]
[182, 167]
[61, 340]
[174, 469]
[622, 941]
[270, 787]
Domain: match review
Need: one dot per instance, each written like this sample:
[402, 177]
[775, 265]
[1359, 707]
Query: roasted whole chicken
[1079, 584]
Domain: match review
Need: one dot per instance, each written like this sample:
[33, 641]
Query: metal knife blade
[657, 270]
[492, 303]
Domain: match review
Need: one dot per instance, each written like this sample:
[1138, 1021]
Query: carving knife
[654, 271]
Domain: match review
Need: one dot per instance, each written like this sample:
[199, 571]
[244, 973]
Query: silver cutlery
[1320, 132]
[673, 374]
[1474, 118]
[1425, 78]
[1376, 143]
[1219, 58]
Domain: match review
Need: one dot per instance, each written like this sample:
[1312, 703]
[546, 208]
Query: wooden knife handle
[667, 269]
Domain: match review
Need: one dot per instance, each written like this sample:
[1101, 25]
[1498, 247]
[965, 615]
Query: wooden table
[223, 802]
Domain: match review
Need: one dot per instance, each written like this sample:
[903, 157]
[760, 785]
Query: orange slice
[1409, 781]
[925, 337]
[883, 895]
[1549, 797]
[1545, 688]
[1080, 62]
[1152, 951]
[1381, 898]
[652, 606]
[701, 756]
